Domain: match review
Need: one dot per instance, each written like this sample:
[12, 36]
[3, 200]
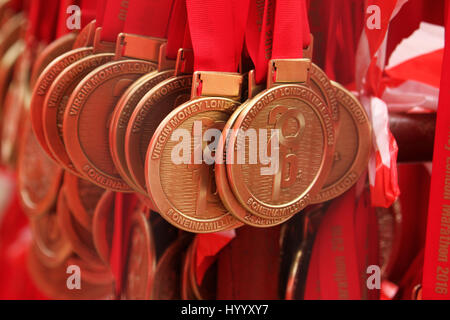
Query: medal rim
[37, 101]
[36, 209]
[102, 214]
[66, 222]
[143, 227]
[117, 135]
[132, 141]
[52, 138]
[362, 155]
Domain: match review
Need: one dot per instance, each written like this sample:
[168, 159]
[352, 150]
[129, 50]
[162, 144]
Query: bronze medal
[141, 261]
[121, 116]
[90, 107]
[149, 113]
[42, 86]
[56, 102]
[82, 198]
[320, 84]
[306, 140]
[51, 245]
[80, 238]
[167, 280]
[191, 204]
[38, 177]
[103, 225]
[353, 146]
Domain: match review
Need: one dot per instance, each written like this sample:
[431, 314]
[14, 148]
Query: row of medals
[103, 113]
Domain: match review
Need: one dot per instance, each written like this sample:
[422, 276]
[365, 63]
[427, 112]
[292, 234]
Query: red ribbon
[100, 12]
[148, 17]
[124, 205]
[88, 11]
[217, 31]
[114, 17]
[259, 36]
[291, 29]
[42, 18]
[436, 275]
[178, 22]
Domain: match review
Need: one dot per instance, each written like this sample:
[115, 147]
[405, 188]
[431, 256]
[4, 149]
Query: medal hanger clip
[252, 88]
[308, 51]
[138, 47]
[288, 71]
[217, 84]
[163, 62]
[102, 46]
[86, 36]
[185, 62]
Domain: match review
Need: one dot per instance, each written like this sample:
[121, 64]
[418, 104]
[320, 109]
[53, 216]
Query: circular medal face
[87, 119]
[141, 261]
[55, 104]
[82, 197]
[42, 85]
[50, 243]
[321, 85]
[294, 122]
[147, 116]
[180, 182]
[121, 117]
[167, 280]
[80, 238]
[352, 150]
[51, 52]
[103, 225]
[223, 186]
[38, 177]
[52, 281]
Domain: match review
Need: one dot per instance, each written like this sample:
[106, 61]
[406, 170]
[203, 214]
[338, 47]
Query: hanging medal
[353, 147]
[57, 98]
[81, 49]
[124, 113]
[300, 126]
[82, 197]
[65, 38]
[258, 44]
[192, 203]
[87, 118]
[156, 105]
[140, 265]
